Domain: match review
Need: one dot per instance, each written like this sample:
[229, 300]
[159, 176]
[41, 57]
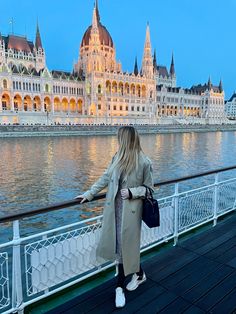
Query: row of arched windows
[123, 89]
[45, 104]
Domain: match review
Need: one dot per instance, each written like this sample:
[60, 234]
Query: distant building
[97, 90]
[230, 107]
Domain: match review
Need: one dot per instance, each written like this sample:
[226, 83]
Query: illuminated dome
[105, 37]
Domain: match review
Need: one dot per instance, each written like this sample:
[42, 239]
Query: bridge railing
[36, 266]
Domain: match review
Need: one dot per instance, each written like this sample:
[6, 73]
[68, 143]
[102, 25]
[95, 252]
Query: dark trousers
[121, 276]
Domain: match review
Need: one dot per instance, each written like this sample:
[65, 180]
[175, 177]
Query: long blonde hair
[126, 158]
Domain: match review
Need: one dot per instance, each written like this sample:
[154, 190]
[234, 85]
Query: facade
[201, 101]
[230, 107]
[97, 90]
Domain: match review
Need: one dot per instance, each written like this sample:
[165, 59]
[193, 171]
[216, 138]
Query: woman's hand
[124, 194]
[82, 198]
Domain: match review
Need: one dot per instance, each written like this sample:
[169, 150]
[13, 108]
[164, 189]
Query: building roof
[162, 70]
[202, 88]
[232, 97]
[18, 43]
[104, 35]
[66, 75]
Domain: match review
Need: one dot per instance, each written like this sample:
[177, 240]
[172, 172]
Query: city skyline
[198, 55]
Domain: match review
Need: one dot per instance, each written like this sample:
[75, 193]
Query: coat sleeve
[140, 191]
[98, 186]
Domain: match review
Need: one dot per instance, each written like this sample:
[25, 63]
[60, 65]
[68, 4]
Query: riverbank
[88, 130]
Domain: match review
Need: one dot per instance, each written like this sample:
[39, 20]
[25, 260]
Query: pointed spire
[95, 19]
[155, 60]
[136, 67]
[209, 84]
[97, 10]
[147, 63]
[172, 66]
[221, 86]
[94, 35]
[38, 42]
[148, 38]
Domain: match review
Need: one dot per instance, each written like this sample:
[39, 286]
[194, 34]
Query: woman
[129, 170]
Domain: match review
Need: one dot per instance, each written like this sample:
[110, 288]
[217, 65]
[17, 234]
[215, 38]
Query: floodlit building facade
[97, 90]
[230, 107]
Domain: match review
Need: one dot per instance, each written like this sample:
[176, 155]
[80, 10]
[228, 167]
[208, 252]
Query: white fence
[45, 263]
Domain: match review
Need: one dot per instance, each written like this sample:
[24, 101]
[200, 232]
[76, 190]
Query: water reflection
[36, 172]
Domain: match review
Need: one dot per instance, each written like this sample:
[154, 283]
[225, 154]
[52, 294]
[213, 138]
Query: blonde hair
[127, 156]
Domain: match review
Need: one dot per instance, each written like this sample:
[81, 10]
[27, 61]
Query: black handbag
[151, 213]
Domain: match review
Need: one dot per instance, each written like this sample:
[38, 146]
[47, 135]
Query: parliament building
[97, 91]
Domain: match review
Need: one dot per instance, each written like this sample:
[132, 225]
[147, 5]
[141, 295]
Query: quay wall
[92, 130]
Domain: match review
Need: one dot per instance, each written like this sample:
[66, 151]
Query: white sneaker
[120, 297]
[135, 282]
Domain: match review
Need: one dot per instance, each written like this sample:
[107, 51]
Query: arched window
[46, 88]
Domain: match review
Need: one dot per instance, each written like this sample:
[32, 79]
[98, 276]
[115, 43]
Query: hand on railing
[82, 199]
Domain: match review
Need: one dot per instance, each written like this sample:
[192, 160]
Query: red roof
[104, 36]
[19, 43]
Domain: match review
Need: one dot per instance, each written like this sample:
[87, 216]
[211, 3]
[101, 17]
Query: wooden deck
[196, 276]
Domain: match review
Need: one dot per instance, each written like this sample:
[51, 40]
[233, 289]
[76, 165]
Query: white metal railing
[36, 266]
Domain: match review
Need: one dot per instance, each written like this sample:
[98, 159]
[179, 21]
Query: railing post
[176, 213]
[17, 294]
[216, 192]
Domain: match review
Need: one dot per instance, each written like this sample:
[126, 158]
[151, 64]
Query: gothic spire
[95, 19]
[136, 67]
[221, 86]
[38, 42]
[209, 84]
[155, 60]
[172, 66]
[148, 37]
[97, 10]
[147, 64]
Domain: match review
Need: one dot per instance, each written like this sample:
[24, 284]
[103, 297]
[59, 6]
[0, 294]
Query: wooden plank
[219, 239]
[232, 262]
[156, 304]
[207, 284]
[194, 310]
[187, 270]
[178, 306]
[172, 266]
[221, 249]
[196, 275]
[163, 260]
[227, 305]
[206, 236]
[217, 293]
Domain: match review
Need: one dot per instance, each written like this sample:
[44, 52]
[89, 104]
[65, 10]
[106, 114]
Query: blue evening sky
[201, 33]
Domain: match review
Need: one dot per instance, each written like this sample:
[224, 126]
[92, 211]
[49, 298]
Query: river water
[35, 172]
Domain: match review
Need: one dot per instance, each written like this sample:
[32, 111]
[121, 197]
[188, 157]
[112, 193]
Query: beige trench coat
[131, 216]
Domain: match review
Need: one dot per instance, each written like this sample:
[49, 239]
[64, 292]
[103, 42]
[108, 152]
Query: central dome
[105, 37]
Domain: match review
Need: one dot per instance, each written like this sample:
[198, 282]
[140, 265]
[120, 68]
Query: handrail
[100, 196]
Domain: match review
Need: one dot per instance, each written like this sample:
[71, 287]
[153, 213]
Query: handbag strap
[148, 189]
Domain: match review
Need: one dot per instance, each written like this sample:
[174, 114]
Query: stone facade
[230, 107]
[97, 91]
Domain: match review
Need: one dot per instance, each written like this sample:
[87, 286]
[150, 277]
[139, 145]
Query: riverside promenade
[198, 275]
[78, 130]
